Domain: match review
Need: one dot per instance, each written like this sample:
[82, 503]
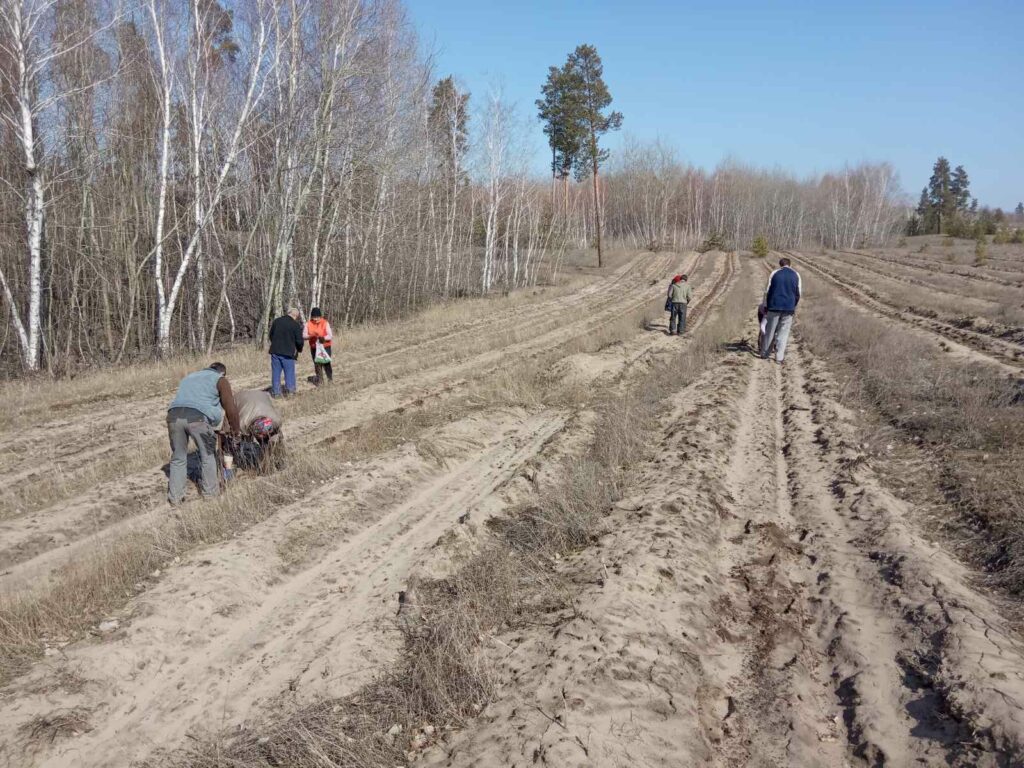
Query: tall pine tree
[449, 131]
[559, 110]
[960, 190]
[946, 200]
[940, 196]
[593, 99]
[448, 123]
[925, 213]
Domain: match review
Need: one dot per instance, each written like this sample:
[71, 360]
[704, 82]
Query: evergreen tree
[449, 130]
[559, 109]
[924, 204]
[940, 193]
[959, 189]
[1019, 210]
[760, 247]
[592, 99]
[926, 214]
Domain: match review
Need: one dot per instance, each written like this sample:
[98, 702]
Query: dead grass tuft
[104, 577]
[61, 724]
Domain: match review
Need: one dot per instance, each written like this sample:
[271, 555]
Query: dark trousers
[677, 320]
[321, 368]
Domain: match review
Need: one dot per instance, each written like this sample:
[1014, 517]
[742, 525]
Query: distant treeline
[178, 171]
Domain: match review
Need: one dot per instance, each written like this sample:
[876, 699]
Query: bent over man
[203, 401]
[781, 298]
[261, 430]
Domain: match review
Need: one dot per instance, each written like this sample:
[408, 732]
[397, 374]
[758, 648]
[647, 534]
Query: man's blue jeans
[677, 320]
[279, 364]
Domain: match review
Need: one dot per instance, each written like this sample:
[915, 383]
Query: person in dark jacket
[203, 401]
[285, 346]
[781, 299]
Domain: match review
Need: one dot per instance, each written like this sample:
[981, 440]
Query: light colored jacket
[256, 404]
[200, 391]
[681, 292]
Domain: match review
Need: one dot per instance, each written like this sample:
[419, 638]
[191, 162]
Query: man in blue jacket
[781, 298]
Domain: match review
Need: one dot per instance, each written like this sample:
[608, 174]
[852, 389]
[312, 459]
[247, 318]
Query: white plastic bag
[323, 355]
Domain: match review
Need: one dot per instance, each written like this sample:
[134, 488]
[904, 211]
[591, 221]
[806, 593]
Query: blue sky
[805, 86]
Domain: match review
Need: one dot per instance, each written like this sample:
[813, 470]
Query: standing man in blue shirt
[781, 298]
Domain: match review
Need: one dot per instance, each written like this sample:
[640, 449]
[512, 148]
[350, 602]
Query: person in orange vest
[318, 333]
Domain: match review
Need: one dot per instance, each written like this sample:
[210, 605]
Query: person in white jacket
[318, 333]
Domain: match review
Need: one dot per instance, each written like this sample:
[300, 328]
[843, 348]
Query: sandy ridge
[239, 583]
[73, 439]
[936, 267]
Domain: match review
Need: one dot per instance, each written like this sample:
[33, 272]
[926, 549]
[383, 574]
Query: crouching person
[203, 402]
[261, 447]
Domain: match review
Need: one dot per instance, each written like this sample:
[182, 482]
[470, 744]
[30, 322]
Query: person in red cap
[668, 296]
[679, 294]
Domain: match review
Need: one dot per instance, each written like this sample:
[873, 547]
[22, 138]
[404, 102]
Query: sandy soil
[220, 637]
[760, 600]
[760, 597]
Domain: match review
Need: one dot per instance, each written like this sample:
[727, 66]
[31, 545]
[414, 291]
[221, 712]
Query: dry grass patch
[970, 417]
[54, 484]
[60, 724]
[48, 486]
[943, 296]
[102, 579]
[34, 397]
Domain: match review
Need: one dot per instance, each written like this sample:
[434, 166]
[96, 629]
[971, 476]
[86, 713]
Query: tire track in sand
[306, 622]
[831, 655]
[759, 600]
[778, 709]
